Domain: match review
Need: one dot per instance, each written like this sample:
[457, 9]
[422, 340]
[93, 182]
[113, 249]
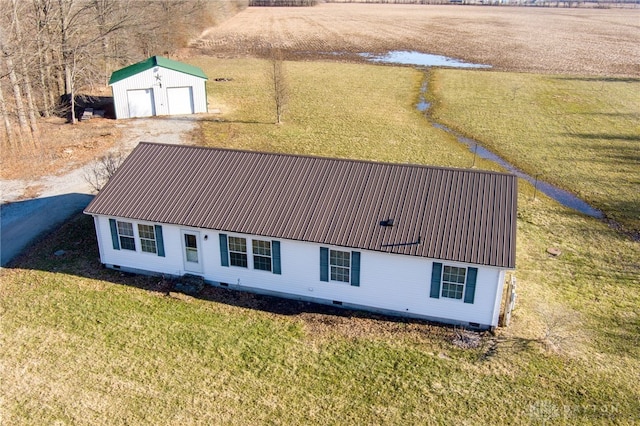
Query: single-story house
[410, 240]
[158, 86]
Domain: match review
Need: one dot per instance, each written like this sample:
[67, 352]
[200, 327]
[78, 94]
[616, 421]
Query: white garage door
[140, 103]
[180, 100]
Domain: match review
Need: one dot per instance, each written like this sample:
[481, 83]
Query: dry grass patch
[62, 147]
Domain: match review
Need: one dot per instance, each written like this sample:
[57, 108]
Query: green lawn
[340, 110]
[582, 134]
[83, 345]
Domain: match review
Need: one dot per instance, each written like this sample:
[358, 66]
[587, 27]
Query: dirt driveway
[59, 197]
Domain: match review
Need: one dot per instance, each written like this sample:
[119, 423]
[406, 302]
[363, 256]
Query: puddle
[423, 105]
[421, 59]
[565, 198]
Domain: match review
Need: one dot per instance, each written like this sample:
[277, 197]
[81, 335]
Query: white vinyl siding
[389, 282]
[159, 92]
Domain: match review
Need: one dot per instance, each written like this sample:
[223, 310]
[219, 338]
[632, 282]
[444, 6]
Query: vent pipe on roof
[388, 222]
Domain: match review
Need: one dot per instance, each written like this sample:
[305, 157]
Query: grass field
[578, 133]
[342, 110]
[82, 345]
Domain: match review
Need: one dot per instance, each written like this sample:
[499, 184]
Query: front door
[191, 252]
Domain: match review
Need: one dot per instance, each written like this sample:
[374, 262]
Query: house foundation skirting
[321, 301]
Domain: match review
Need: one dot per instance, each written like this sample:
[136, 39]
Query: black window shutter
[470, 287]
[114, 234]
[275, 254]
[355, 268]
[324, 264]
[159, 240]
[436, 274]
[224, 250]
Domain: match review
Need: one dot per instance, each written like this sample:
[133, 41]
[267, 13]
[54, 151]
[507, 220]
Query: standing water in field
[565, 198]
[421, 59]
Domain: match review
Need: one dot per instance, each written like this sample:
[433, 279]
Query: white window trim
[253, 256]
[348, 268]
[464, 284]
[120, 236]
[246, 252]
[155, 239]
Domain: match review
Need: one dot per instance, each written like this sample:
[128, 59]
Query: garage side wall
[159, 80]
[389, 283]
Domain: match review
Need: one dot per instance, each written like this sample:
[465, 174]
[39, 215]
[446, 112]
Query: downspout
[495, 313]
[206, 99]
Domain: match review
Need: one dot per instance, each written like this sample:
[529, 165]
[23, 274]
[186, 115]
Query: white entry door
[140, 103]
[191, 251]
[180, 100]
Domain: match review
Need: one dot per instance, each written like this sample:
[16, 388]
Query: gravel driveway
[22, 221]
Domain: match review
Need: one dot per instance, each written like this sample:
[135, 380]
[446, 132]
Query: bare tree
[5, 117]
[61, 48]
[114, 17]
[40, 16]
[279, 83]
[7, 56]
[26, 80]
[560, 325]
[103, 169]
[83, 44]
[173, 23]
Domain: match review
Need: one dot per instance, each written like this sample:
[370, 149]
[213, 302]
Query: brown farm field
[603, 42]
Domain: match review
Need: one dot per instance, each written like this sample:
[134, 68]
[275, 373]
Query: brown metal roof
[442, 213]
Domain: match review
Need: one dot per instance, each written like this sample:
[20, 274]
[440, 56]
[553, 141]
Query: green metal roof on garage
[155, 61]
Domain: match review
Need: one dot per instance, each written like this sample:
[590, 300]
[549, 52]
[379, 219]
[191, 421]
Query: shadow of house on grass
[77, 239]
[72, 250]
[26, 221]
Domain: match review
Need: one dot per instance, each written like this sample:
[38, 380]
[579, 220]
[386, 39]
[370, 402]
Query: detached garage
[158, 86]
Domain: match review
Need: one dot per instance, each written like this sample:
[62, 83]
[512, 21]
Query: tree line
[284, 3]
[55, 49]
[602, 4]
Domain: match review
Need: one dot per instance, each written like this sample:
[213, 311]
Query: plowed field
[541, 40]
